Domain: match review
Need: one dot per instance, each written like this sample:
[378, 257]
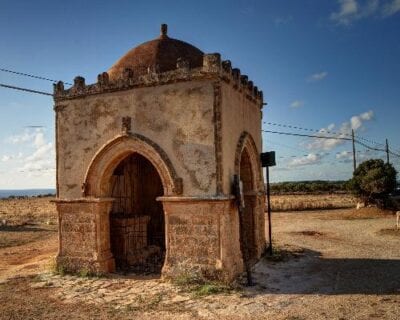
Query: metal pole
[354, 151]
[269, 214]
[387, 150]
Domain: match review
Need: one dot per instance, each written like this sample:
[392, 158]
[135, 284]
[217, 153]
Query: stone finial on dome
[164, 30]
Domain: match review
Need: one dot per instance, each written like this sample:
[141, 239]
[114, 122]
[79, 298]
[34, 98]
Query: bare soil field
[331, 264]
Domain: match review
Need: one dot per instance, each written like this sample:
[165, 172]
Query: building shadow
[25, 228]
[310, 273]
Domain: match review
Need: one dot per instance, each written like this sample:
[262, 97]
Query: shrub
[373, 180]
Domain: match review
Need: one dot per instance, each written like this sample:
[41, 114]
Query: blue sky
[321, 64]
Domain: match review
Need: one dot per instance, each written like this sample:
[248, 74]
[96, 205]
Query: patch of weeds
[86, 273]
[198, 286]
[187, 279]
[211, 288]
[56, 269]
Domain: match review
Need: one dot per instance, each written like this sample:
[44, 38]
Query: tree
[373, 180]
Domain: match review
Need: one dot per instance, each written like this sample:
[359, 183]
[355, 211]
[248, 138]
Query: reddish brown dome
[160, 54]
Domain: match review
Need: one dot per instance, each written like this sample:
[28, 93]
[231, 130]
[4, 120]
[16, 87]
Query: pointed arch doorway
[131, 172]
[247, 214]
[137, 224]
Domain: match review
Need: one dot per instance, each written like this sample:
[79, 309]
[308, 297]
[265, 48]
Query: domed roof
[160, 54]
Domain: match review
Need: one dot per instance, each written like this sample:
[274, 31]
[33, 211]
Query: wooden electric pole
[354, 151]
[387, 151]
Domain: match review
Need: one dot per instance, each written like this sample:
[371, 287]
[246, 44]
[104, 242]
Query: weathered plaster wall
[238, 114]
[178, 117]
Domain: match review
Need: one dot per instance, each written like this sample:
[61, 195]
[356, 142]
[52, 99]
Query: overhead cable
[31, 76]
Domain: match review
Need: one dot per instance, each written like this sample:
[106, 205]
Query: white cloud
[26, 136]
[42, 156]
[20, 138]
[317, 76]
[6, 158]
[345, 155]
[39, 140]
[41, 152]
[391, 8]
[32, 165]
[348, 11]
[297, 104]
[356, 123]
[310, 159]
[352, 10]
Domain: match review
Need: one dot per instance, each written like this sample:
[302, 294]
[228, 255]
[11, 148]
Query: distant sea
[26, 192]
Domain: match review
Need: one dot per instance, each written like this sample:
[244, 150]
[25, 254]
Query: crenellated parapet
[213, 68]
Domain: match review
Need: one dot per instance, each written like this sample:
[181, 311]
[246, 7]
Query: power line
[31, 76]
[306, 135]
[320, 131]
[328, 137]
[25, 89]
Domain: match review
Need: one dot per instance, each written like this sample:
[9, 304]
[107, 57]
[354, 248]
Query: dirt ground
[338, 264]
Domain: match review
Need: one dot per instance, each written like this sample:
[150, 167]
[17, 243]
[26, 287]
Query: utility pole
[268, 160]
[387, 150]
[354, 151]
[269, 214]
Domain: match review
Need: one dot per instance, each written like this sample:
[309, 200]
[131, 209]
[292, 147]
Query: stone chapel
[146, 161]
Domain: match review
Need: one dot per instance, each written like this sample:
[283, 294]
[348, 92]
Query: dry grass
[303, 202]
[363, 213]
[390, 232]
[27, 211]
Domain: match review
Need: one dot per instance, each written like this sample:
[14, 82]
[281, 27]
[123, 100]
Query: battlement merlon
[213, 68]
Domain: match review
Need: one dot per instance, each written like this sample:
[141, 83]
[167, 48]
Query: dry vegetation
[18, 212]
[301, 202]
